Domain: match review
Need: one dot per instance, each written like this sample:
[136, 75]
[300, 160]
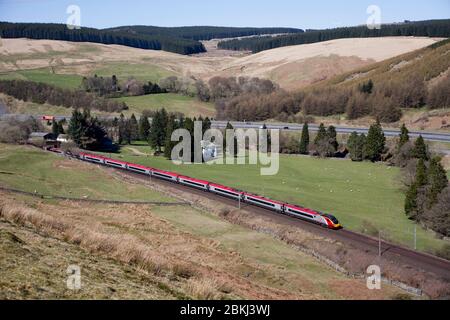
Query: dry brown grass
[284, 64]
[128, 234]
[203, 289]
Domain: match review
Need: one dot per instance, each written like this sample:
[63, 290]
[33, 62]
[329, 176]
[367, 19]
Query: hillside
[53, 31]
[292, 67]
[427, 28]
[202, 32]
[298, 66]
[145, 251]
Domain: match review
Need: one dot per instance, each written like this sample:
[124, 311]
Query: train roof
[140, 166]
[303, 209]
[116, 161]
[195, 180]
[173, 174]
[225, 187]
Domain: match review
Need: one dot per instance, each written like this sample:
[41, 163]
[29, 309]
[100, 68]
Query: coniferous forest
[182, 40]
[429, 28]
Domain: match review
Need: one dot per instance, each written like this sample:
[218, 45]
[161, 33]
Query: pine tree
[420, 150]
[144, 128]
[304, 142]
[421, 174]
[375, 143]
[155, 127]
[322, 134]
[355, 145]
[76, 128]
[60, 127]
[404, 137]
[411, 202]
[438, 181]
[134, 128]
[332, 138]
[55, 128]
[169, 144]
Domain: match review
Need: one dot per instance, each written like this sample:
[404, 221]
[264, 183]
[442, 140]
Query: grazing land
[31, 170]
[366, 197]
[290, 66]
[144, 251]
[189, 106]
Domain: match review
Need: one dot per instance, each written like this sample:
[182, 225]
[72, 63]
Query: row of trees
[111, 87]
[431, 28]
[428, 190]
[54, 31]
[218, 88]
[370, 147]
[43, 93]
[203, 32]
[15, 131]
[382, 100]
[86, 131]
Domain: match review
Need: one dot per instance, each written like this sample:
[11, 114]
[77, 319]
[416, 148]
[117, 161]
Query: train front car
[332, 222]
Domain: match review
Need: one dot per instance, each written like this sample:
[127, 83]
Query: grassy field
[222, 258]
[45, 75]
[171, 102]
[364, 196]
[32, 170]
[141, 71]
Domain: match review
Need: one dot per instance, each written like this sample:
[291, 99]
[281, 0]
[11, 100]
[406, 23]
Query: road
[429, 136]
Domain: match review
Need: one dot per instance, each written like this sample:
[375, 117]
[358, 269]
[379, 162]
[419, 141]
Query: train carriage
[165, 175]
[92, 158]
[324, 219]
[263, 202]
[116, 163]
[139, 169]
[195, 183]
[225, 191]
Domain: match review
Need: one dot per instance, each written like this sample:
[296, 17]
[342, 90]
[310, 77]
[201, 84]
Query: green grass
[359, 194]
[171, 102]
[141, 71]
[45, 75]
[31, 170]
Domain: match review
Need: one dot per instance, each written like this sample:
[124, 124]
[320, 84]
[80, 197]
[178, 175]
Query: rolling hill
[292, 67]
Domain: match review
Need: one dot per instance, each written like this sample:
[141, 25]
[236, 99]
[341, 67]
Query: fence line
[42, 196]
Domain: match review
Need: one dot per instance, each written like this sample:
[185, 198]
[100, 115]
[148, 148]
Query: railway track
[389, 251]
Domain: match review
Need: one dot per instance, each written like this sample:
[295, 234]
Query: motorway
[429, 136]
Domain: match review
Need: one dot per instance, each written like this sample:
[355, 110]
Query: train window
[114, 164]
[261, 202]
[136, 169]
[162, 175]
[193, 183]
[300, 213]
[92, 159]
[226, 192]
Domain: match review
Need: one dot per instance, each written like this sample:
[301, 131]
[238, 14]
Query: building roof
[39, 134]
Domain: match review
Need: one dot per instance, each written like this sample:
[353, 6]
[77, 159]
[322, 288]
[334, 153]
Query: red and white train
[323, 219]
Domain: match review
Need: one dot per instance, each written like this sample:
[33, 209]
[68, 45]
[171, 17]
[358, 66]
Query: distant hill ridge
[182, 40]
[427, 28]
